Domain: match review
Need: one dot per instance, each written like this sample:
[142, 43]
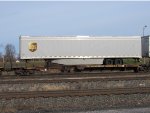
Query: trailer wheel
[118, 62]
[136, 70]
[109, 62]
[0, 72]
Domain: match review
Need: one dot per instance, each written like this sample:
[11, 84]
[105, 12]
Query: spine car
[82, 51]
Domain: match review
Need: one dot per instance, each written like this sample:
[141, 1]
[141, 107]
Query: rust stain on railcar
[32, 46]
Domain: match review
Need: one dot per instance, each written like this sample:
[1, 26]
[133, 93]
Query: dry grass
[23, 64]
[5, 109]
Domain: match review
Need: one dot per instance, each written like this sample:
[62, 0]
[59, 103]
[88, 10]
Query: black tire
[0, 72]
[136, 70]
[118, 62]
[109, 62]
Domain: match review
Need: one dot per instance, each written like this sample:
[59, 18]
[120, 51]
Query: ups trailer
[81, 49]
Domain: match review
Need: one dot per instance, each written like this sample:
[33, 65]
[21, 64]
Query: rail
[73, 78]
[63, 93]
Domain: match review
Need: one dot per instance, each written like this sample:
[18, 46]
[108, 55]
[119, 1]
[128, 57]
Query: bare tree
[10, 53]
[1, 57]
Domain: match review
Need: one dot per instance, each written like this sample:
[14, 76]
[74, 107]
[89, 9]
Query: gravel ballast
[73, 85]
[75, 103]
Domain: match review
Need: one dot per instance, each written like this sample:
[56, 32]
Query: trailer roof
[77, 37]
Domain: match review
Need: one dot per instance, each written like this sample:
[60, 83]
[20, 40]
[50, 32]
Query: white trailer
[85, 48]
[80, 47]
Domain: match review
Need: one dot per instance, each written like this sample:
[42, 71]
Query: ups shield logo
[32, 46]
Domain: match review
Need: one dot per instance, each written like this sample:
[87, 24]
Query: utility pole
[143, 36]
[144, 29]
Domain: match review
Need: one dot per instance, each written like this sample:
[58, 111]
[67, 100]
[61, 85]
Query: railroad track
[57, 79]
[71, 93]
[72, 74]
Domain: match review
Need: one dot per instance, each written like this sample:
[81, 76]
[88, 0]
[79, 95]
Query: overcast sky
[71, 19]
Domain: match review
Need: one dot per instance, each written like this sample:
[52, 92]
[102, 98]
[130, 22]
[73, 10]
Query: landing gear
[48, 63]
